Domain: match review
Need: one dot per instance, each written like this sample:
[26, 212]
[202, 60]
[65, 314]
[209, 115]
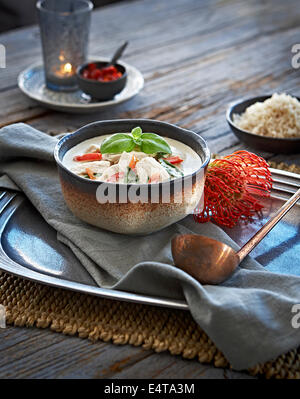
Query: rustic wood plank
[191, 50]
[17, 107]
[160, 25]
[170, 367]
[34, 353]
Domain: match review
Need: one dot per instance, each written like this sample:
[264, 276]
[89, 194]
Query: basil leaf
[153, 143]
[171, 169]
[117, 143]
[136, 132]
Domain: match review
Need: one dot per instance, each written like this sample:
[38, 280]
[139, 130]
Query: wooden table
[196, 57]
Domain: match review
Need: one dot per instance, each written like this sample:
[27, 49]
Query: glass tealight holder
[64, 27]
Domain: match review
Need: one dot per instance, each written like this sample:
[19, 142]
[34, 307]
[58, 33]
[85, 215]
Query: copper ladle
[210, 261]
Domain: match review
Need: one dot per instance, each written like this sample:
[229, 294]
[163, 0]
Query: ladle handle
[244, 251]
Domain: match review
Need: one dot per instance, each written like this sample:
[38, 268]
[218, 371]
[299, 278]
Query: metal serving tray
[29, 248]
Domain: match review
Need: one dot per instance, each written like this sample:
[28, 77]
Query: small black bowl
[263, 143]
[101, 90]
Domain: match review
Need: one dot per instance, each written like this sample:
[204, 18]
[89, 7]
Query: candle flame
[64, 70]
[67, 68]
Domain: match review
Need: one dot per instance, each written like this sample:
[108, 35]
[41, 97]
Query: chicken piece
[124, 168]
[113, 175]
[118, 173]
[95, 166]
[126, 158]
[140, 155]
[92, 148]
[148, 168]
[124, 161]
[113, 158]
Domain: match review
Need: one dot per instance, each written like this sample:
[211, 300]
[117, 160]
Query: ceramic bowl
[101, 90]
[173, 200]
[263, 143]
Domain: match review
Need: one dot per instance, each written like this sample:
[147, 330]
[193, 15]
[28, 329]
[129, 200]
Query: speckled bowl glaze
[136, 218]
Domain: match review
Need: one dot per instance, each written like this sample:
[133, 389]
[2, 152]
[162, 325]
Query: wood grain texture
[33, 353]
[196, 57]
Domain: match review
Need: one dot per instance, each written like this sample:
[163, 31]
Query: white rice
[278, 116]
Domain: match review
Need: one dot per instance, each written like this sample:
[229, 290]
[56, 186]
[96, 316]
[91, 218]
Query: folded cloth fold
[248, 317]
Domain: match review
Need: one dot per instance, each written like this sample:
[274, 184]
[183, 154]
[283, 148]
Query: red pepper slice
[174, 159]
[154, 178]
[114, 178]
[94, 156]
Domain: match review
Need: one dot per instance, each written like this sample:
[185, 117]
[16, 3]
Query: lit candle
[67, 68]
[64, 70]
[64, 27]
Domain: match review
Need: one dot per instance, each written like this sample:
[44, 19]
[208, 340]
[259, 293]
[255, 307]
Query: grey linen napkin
[248, 317]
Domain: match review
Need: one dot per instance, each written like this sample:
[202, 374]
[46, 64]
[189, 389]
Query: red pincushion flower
[232, 187]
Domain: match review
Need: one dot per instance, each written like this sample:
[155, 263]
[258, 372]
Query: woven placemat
[30, 304]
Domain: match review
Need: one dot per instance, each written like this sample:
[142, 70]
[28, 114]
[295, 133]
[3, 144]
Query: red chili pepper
[94, 156]
[174, 159]
[110, 69]
[95, 74]
[92, 66]
[114, 178]
[85, 74]
[101, 74]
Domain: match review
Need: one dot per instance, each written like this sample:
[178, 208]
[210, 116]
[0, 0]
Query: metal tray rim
[10, 266]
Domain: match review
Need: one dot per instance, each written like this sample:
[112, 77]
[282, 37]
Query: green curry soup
[134, 157]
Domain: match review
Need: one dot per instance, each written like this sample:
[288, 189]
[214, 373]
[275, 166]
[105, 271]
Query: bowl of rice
[268, 123]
